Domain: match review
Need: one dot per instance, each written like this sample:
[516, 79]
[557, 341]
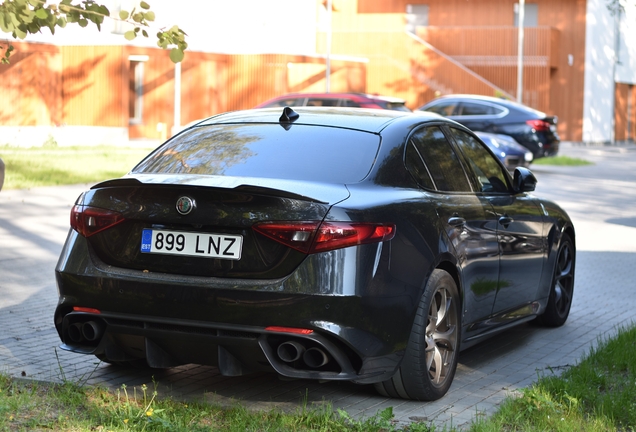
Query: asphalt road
[600, 198]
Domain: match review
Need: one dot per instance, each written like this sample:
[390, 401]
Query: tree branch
[23, 17]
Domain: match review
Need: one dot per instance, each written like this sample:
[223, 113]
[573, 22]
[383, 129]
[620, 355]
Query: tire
[560, 298]
[430, 361]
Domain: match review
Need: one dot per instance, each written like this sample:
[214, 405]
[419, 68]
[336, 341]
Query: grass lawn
[51, 166]
[562, 161]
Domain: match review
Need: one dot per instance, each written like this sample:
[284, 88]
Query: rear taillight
[311, 237]
[91, 220]
[294, 330]
[86, 310]
[538, 125]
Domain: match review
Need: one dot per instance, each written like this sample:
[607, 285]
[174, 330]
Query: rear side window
[318, 102]
[470, 108]
[395, 106]
[443, 108]
[415, 165]
[287, 102]
[310, 153]
[350, 103]
[440, 159]
[489, 174]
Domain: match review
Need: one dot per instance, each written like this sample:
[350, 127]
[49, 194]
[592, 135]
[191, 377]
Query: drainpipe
[520, 23]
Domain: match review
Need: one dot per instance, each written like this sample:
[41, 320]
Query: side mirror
[524, 180]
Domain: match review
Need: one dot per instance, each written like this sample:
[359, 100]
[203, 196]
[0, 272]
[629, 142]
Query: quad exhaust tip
[89, 331]
[291, 351]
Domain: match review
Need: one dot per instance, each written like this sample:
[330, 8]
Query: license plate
[205, 245]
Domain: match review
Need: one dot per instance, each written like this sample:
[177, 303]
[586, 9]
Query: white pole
[520, 23]
[328, 66]
[177, 98]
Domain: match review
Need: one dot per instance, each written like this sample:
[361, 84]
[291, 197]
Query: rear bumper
[359, 333]
[235, 350]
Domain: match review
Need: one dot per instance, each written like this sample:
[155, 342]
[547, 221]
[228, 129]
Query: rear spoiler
[323, 193]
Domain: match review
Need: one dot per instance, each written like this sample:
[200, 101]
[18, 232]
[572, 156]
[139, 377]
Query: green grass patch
[73, 407]
[562, 161]
[52, 166]
[599, 394]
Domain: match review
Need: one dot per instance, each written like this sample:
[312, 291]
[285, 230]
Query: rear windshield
[311, 153]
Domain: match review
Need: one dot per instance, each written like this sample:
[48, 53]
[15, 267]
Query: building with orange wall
[578, 55]
[578, 64]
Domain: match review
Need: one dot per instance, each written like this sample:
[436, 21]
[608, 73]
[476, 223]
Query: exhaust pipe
[315, 358]
[75, 333]
[290, 351]
[92, 330]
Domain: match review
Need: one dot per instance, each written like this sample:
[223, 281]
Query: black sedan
[322, 243]
[507, 150]
[531, 128]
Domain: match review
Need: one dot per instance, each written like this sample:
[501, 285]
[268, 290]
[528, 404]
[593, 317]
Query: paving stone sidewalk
[600, 198]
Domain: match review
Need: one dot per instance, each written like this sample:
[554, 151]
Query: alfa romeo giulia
[315, 243]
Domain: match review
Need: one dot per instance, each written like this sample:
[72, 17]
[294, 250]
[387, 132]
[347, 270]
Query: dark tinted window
[396, 106]
[470, 108]
[489, 175]
[443, 108]
[323, 102]
[350, 103]
[310, 153]
[416, 167]
[287, 102]
[440, 159]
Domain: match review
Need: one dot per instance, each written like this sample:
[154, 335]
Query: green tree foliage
[23, 17]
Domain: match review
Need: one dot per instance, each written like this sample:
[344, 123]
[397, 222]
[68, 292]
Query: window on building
[530, 15]
[416, 15]
[136, 87]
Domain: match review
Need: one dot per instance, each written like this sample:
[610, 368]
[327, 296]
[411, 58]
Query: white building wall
[626, 66]
[610, 56]
[598, 104]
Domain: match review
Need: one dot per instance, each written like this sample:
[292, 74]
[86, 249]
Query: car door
[519, 228]
[466, 217]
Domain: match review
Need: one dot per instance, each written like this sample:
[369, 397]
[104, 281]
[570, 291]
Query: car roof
[368, 120]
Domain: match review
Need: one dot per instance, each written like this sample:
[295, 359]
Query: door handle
[456, 221]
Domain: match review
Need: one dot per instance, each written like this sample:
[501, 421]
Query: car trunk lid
[223, 212]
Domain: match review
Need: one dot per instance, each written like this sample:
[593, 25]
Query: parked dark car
[507, 150]
[531, 128]
[354, 100]
[317, 243]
